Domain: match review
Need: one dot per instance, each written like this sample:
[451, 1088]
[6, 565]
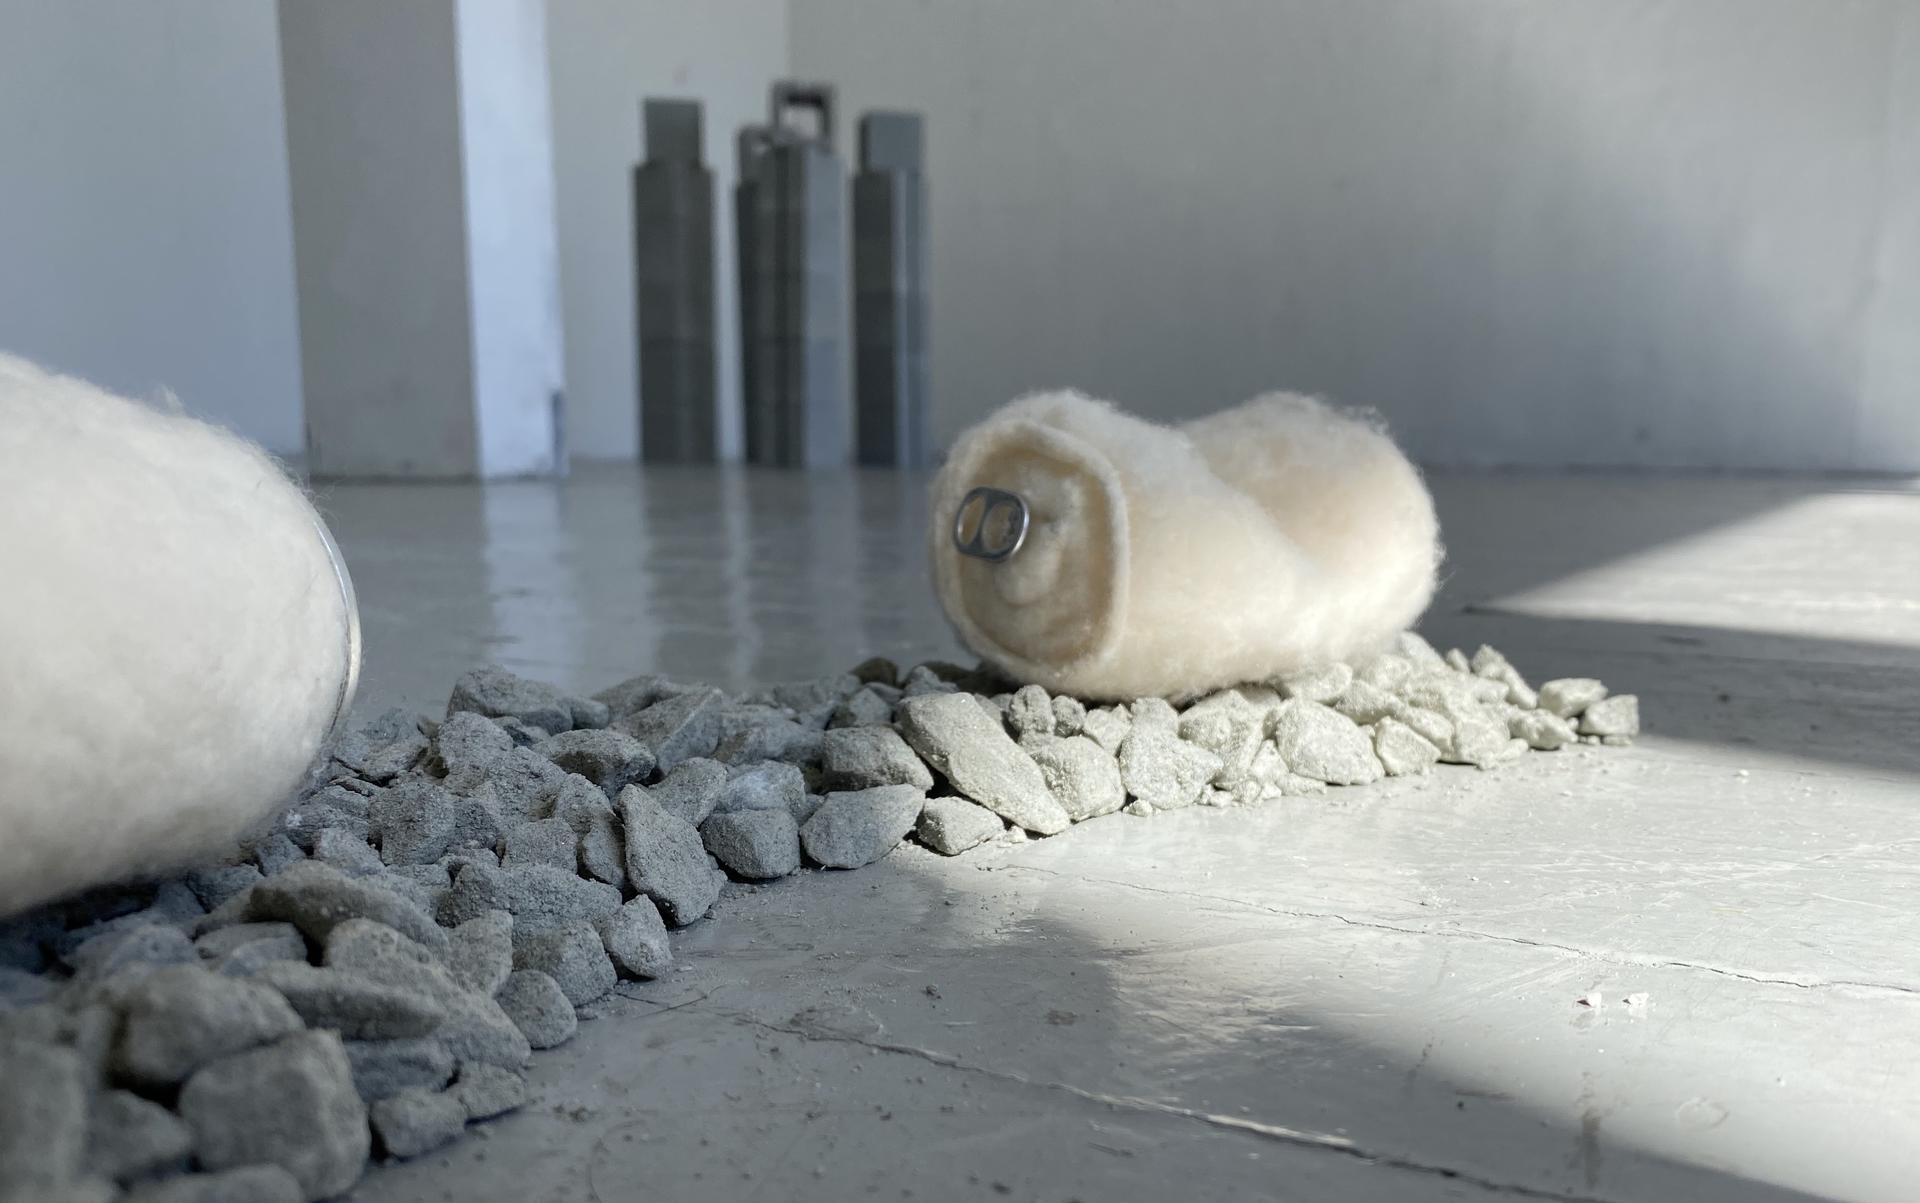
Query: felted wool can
[177, 637]
[1163, 561]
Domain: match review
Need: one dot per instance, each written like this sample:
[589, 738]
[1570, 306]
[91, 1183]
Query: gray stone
[43, 1118]
[1366, 703]
[523, 735]
[219, 883]
[576, 803]
[637, 693]
[316, 897]
[351, 1003]
[383, 1068]
[466, 747]
[290, 1104]
[391, 760]
[487, 1090]
[1324, 684]
[477, 822]
[542, 842]
[1319, 742]
[921, 681]
[975, 754]
[129, 1137]
[348, 853]
[862, 757]
[479, 952]
[572, 957]
[589, 714]
[414, 822]
[769, 739]
[217, 944]
[417, 1121]
[1107, 726]
[861, 826]
[19, 988]
[677, 728]
[769, 785]
[666, 860]
[866, 708]
[475, 1028]
[950, 826]
[758, 845]
[522, 786]
[1617, 717]
[541, 898]
[1030, 712]
[181, 1017]
[494, 692]
[306, 821]
[248, 1184]
[1479, 738]
[1083, 777]
[538, 1007]
[612, 760]
[275, 852]
[1401, 749]
[806, 807]
[1569, 697]
[876, 669]
[1157, 766]
[147, 946]
[1542, 730]
[815, 694]
[1232, 724]
[692, 790]
[1069, 715]
[636, 938]
[602, 853]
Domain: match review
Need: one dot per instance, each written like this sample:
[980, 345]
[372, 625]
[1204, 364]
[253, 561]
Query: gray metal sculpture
[890, 291]
[790, 206]
[673, 270]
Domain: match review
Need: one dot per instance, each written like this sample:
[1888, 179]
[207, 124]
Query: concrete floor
[1367, 996]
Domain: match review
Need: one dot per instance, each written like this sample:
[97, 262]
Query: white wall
[1673, 232]
[145, 241]
[606, 56]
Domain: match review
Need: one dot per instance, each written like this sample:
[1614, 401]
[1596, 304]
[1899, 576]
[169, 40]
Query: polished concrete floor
[1374, 995]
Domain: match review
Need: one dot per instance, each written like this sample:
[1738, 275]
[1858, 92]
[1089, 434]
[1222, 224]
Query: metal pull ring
[981, 544]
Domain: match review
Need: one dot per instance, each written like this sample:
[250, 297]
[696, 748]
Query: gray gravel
[859, 827]
[290, 1104]
[666, 860]
[417, 1121]
[758, 845]
[954, 735]
[408, 934]
[950, 826]
[538, 1007]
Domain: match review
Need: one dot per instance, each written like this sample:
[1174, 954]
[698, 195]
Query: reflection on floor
[1373, 995]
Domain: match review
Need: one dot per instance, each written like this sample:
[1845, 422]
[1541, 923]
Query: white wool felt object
[1170, 561]
[178, 637]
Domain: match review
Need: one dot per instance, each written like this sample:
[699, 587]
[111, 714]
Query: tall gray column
[794, 267]
[890, 292]
[673, 271]
[420, 152]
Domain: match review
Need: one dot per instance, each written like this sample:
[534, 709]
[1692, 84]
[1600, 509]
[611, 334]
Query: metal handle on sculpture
[992, 500]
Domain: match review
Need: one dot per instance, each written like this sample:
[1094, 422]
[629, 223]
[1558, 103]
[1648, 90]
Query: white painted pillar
[421, 156]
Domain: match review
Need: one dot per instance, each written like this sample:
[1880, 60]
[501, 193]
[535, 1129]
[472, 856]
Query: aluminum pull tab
[989, 541]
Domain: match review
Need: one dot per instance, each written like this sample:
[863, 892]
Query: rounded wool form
[1171, 561]
[178, 637]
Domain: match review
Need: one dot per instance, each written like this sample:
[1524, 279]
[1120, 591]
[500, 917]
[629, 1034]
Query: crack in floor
[1618, 958]
[1320, 1142]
